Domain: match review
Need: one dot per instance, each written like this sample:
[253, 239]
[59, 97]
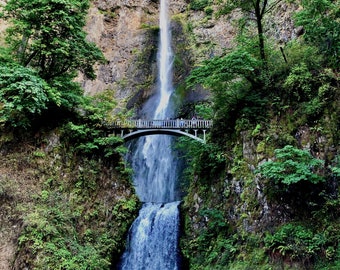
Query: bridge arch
[131, 129]
[175, 132]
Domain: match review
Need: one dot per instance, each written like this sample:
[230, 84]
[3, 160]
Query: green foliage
[47, 40]
[296, 242]
[298, 53]
[218, 71]
[51, 231]
[208, 10]
[299, 83]
[88, 139]
[48, 35]
[303, 84]
[336, 168]
[291, 166]
[88, 134]
[71, 94]
[72, 226]
[23, 96]
[199, 4]
[299, 87]
[330, 265]
[231, 81]
[5, 55]
[203, 159]
[213, 246]
[310, 93]
[102, 107]
[204, 110]
[216, 221]
[251, 254]
[320, 20]
[236, 108]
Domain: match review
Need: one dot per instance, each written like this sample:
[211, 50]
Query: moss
[150, 27]
[261, 146]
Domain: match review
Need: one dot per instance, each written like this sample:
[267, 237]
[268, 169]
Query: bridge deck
[162, 124]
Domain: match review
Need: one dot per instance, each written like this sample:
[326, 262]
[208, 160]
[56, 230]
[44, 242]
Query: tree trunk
[259, 16]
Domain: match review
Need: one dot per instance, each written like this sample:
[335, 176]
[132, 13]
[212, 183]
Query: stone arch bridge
[131, 129]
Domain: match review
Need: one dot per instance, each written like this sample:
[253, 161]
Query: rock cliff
[127, 33]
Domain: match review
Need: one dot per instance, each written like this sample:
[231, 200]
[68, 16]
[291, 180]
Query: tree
[256, 9]
[48, 36]
[320, 20]
[231, 80]
[23, 96]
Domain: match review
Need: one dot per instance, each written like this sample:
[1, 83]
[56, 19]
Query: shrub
[24, 96]
[299, 83]
[199, 4]
[291, 166]
[295, 242]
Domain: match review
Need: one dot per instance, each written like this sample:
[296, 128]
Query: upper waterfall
[154, 165]
[165, 61]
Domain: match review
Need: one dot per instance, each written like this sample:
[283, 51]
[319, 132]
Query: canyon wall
[127, 33]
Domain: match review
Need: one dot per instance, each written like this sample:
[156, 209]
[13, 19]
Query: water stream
[153, 237]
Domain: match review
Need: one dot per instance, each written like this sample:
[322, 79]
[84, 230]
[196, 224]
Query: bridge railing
[170, 124]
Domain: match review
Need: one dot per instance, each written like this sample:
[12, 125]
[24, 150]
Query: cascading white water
[153, 237]
[165, 59]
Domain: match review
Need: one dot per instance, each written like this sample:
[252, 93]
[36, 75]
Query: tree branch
[271, 7]
[263, 10]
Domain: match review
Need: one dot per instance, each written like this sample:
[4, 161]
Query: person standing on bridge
[182, 123]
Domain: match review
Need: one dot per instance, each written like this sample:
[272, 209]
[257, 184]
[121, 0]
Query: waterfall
[153, 237]
[165, 59]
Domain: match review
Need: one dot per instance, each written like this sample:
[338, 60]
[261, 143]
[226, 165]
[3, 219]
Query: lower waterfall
[153, 239]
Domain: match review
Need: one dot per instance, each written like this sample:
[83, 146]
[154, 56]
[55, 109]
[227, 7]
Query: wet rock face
[281, 24]
[127, 33]
[119, 29]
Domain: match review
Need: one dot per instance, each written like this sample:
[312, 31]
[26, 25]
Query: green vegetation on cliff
[65, 194]
[46, 47]
[67, 209]
[263, 193]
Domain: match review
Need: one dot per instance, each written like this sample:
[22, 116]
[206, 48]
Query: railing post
[204, 135]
